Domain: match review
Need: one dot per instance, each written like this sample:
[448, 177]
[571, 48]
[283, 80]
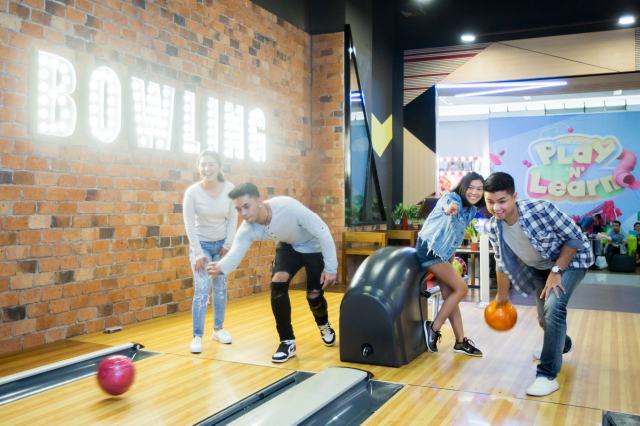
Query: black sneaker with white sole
[286, 350]
[328, 334]
[431, 337]
[467, 347]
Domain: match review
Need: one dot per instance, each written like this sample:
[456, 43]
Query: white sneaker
[286, 349]
[328, 334]
[222, 336]
[196, 345]
[542, 386]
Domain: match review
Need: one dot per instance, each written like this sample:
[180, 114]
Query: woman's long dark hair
[463, 185]
[211, 153]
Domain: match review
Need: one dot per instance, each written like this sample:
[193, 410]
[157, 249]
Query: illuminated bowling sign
[157, 115]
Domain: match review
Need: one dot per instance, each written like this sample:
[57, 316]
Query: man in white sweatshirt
[304, 240]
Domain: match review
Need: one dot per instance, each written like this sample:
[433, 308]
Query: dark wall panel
[420, 118]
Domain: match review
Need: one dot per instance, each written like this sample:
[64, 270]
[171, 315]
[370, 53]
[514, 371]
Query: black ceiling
[430, 23]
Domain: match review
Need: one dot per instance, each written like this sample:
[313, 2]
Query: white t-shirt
[208, 218]
[292, 223]
[515, 237]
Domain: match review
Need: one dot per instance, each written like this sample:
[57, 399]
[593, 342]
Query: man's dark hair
[637, 223]
[463, 185]
[246, 188]
[500, 181]
[616, 221]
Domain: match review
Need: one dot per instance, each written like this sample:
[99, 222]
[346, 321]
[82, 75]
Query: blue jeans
[202, 284]
[426, 257]
[552, 314]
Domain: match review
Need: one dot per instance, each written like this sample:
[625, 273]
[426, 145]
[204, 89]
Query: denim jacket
[443, 234]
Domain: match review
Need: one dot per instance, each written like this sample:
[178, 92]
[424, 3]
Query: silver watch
[556, 269]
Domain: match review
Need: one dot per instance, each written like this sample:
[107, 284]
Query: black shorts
[290, 261]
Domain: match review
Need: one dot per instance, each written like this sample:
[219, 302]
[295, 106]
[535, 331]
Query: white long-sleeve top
[208, 218]
[292, 223]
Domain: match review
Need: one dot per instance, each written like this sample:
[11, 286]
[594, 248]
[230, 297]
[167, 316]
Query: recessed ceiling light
[501, 87]
[627, 20]
[617, 92]
[468, 38]
[527, 98]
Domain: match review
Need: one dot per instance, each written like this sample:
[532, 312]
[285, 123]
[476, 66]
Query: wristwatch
[556, 269]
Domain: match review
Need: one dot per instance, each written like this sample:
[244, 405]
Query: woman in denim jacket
[210, 221]
[438, 239]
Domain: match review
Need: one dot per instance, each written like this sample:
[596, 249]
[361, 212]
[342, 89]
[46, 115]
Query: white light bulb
[468, 38]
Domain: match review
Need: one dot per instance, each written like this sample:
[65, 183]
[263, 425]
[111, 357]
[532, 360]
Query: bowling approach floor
[177, 387]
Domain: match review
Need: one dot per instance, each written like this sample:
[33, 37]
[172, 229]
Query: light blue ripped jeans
[202, 284]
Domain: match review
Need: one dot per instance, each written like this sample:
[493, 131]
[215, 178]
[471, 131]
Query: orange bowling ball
[501, 318]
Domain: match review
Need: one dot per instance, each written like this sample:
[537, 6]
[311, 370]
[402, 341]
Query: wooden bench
[359, 244]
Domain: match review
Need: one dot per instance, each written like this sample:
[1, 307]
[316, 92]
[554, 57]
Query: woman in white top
[210, 220]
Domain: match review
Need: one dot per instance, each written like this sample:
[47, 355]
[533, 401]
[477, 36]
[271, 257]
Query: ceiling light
[554, 105]
[627, 20]
[594, 103]
[506, 87]
[468, 38]
[614, 102]
[617, 92]
[547, 83]
[633, 100]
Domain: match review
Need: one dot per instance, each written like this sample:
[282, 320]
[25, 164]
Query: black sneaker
[467, 347]
[328, 334]
[431, 337]
[286, 350]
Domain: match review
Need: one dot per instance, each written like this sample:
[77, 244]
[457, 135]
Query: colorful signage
[582, 162]
[159, 116]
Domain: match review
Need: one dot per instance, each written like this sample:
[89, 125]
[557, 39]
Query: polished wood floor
[177, 387]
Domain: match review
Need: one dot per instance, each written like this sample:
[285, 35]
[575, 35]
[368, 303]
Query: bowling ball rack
[40, 379]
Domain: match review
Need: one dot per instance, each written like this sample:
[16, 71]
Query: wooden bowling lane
[601, 372]
[46, 354]
[415, 405]
[168, 389]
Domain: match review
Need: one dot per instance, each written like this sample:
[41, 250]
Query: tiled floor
[608, 278]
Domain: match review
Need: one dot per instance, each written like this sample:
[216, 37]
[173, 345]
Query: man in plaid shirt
[537, 247]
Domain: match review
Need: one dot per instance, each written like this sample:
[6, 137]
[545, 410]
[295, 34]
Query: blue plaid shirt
[548, 229]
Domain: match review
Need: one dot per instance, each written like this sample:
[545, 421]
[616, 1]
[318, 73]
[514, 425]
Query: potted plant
[473, 233]
[397, 214]
[412, 210]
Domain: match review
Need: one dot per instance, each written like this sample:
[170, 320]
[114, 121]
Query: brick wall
[326, 177]
[91, 234]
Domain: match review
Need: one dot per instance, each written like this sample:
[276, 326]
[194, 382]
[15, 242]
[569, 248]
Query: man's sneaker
[431, 337]
[221, 336]
[196, 345]
[467, 347]
[286, 350]
[537, 353]
[328, 334]
[543, 386]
